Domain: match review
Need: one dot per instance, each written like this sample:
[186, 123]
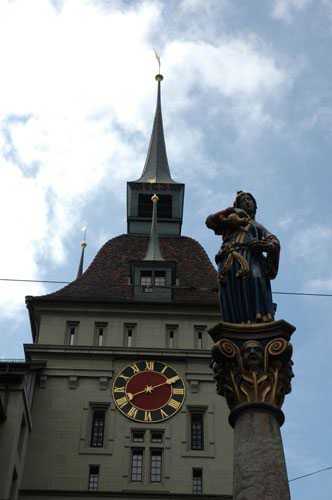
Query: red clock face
[148, 391]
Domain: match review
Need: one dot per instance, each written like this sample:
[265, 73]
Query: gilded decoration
[256, 371]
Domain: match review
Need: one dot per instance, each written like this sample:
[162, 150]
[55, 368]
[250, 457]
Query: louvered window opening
[164, 206]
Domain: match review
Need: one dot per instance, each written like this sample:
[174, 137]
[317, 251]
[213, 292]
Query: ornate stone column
[253, 370]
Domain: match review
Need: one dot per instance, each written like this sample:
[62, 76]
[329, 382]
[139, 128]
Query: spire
[153, 251]
[83, 245]
[156, 169]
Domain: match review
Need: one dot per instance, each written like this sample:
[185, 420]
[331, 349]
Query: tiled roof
[107, 277]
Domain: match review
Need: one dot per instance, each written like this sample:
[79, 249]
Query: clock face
[148, 391]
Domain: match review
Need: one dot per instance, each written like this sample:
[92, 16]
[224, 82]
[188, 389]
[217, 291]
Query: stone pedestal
[253, 370]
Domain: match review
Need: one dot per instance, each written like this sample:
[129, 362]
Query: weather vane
[84, 232]
[158, 58]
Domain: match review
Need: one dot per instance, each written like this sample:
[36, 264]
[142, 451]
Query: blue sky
[246, 104]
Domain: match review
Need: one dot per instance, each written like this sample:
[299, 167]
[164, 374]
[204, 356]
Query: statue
[247, 261]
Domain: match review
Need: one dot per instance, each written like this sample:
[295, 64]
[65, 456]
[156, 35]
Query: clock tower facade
[125, 404]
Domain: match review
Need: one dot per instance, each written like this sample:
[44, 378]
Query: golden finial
[159, 77]
[154, 198]
[84, 243]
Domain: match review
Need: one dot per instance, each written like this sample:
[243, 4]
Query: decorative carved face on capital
[252, 355]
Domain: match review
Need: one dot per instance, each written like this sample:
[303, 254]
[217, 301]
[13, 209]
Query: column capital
[252, 363]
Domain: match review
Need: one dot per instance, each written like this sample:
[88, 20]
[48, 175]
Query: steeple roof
[156, 167]
[80, 266]
[153, 251]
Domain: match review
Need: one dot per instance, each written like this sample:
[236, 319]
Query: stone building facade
[116, 398]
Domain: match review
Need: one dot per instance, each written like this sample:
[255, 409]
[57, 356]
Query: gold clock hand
[149, 388]
[172, 380]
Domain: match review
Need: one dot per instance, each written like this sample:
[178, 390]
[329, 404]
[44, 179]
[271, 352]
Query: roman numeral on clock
[149, 365]
[135, 368]
[174, 404]
[132, 412]
[121, 402]
[178, 391]
[163, 413]
[119, 389]
[147, 416]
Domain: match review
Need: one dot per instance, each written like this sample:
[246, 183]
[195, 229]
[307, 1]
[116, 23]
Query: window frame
[138, 452]
[157, 452]
[95, 477]
[94, 410]
[171, 341]
[98, 326]
[137, 431]
[152, 275]
[198, 470]
[153, 440]
[129, 340]
[194, 414]
[71, 333]
[200, 336]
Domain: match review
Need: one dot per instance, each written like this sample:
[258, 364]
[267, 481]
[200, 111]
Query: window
[129, 331]
[153, 278]
[164, 209]
[93, 478]
[97, 428]
[138, 436]
[136, 465]
[155, 469]
[197, 481]
[71, 333]
[156, 437]
[146, 278]
[100, 332]
[199, 336]
[197, 431]
[170, 336]
[160, 278]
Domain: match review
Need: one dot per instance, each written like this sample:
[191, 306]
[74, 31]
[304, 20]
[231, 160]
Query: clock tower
[125, 404]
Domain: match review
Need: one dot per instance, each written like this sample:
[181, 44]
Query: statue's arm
[269, 244]
[228, 219]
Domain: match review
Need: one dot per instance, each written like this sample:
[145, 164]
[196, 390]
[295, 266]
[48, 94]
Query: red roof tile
[107, 277]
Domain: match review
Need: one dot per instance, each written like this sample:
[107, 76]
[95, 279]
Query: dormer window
[153, 278]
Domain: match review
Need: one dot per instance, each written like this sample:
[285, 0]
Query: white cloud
[287, 9]
[320, 285]
[311, 243]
